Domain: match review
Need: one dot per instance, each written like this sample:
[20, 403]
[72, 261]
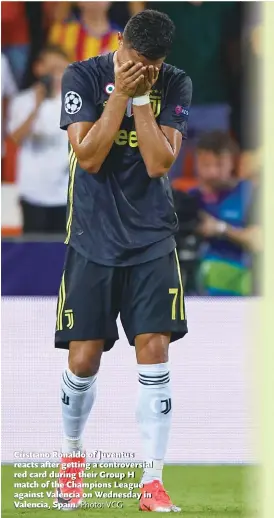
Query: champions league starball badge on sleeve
[73, 103]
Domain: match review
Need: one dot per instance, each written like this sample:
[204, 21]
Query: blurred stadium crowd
[216, 177]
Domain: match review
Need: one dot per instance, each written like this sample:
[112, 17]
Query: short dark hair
[150, 33]
[218, 142]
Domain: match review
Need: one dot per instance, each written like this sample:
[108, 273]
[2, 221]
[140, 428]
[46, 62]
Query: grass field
[201, 492]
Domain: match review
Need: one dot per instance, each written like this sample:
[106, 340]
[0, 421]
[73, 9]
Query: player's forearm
[96, 144]
[154, 147]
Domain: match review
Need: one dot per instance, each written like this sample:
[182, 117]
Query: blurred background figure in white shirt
[42, 163]
[8, 90]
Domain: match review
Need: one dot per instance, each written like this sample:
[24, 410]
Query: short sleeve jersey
[120, 216]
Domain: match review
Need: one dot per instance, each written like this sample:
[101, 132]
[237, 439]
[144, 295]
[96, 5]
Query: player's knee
[152, 348]
[85, 357]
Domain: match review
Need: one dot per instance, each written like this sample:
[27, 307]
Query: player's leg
[154, 413]
[78, 393]
[78, 387]
[154, 406]
[157, 319]
[86, 325]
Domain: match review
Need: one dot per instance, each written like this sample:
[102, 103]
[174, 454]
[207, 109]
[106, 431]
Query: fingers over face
[126, 66]
[129, 79]
[138, 68]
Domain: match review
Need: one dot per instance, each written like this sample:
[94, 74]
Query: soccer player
[125, 115]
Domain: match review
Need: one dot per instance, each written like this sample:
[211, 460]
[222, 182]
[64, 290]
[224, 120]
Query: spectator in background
[87, 35]
[15, 37]
[22, 36]
[226, 205]
[8, 90]
[119, 12]
[207, 47]
[33, 123]
[55, 12]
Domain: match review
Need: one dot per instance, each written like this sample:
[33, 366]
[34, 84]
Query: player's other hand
[150, 77]
[127, 77]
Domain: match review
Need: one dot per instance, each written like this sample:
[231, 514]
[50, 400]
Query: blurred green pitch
[201, 492]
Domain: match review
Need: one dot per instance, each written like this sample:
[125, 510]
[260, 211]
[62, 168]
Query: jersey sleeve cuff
[68, 121]
[175, 125]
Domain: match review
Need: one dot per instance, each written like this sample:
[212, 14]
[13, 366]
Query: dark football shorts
[148, 296]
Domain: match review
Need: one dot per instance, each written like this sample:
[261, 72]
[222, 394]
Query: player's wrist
[141, 100]
[120, 94]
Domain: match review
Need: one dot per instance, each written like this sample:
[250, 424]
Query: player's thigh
[153, 301]
[86, 308]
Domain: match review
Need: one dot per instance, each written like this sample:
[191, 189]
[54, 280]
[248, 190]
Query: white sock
[154, 416]
[77, 396]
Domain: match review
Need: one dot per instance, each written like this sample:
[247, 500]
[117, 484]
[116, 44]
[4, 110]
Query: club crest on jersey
[155, 101]
[109, 88]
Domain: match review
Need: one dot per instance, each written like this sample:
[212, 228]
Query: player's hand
[127, 77]
[150, 77]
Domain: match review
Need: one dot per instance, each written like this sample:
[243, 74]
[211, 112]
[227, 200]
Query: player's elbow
[90, 166]
[156, 170]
